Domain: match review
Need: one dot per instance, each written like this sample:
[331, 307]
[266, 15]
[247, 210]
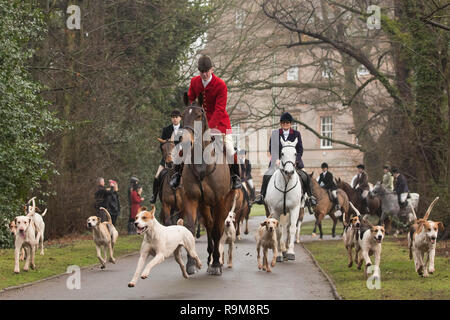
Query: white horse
[284, 199]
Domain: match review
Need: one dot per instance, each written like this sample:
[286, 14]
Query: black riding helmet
[286, 117]
[324, 165]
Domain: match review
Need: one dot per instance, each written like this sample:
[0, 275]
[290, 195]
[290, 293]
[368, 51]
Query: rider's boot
[306, 184]
[155, 190]
[176, 177]
[365, 202]
[235, 179]
[265, 182]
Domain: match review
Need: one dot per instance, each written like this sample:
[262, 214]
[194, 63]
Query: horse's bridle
[285, 163]
[203, 117]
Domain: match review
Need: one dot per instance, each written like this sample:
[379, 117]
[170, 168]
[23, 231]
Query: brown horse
[242, 208]
[171, 200]
[205, 184]
[325, 206]
[356, 198]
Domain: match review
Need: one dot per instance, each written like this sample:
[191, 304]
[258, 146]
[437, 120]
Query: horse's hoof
[102, 267]
[290, 256]
[246, 232]
[215, 271]
[191, 269]
[280, 259]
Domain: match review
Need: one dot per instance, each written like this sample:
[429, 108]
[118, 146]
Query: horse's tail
[427, 214]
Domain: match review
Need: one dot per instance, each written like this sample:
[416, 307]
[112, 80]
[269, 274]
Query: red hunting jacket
[214, 102]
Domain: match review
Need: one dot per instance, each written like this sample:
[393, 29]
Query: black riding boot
[235, 179]
[336, 203]
[265, 182]
[365, 202]
[176, 178]
[155, 190]
[306, 184]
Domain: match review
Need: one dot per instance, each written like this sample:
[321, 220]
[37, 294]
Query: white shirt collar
[205, 83]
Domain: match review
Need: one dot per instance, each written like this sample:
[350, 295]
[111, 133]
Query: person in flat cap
[167, 133]
[286, 133]
[388, 178]
[214, 91]
[361, 184]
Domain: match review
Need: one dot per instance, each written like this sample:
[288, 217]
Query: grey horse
[390, 206]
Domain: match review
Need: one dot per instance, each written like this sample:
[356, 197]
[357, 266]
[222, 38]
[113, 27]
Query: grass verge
[58, 256]
[399, 281]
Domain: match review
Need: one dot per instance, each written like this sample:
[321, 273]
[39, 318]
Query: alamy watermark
[74, 280]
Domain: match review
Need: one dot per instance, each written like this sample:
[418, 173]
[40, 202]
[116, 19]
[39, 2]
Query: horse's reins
[285, 182]
[194, 170]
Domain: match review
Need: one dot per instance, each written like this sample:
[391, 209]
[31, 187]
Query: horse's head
[378, 188]
[194, 116]
[166, 149]
[288, 157]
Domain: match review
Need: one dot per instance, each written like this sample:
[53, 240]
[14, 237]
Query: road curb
[28, 284]
[330, 281]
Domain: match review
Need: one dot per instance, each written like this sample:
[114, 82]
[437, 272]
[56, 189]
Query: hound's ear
[29, 219]
[142, 209]
[276, 223]
[161, 140]
[200, 99]
[185, 99]
[264, 223]
[440, 225]
[15, 220]
[153, 211]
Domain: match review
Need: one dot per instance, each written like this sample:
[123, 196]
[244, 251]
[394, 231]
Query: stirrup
[312, 201]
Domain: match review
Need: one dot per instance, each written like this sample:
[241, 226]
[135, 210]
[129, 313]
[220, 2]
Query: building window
[326, 130]
[240, 17]
[362, 71]
[292, 74]
[327, 71]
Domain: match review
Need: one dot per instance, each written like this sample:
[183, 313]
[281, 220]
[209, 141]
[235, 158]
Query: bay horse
[242, 208]
[171, 200]
[325, 206]
[356, 198]
[205, 184]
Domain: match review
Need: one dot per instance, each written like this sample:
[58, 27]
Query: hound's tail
[354, 209]
[427, 214]
[180, 222]
[45, 211]
[107, 214]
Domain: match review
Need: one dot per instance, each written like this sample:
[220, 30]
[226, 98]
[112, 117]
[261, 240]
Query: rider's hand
[277, 163]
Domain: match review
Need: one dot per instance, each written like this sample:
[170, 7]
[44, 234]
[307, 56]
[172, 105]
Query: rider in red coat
[214, 92]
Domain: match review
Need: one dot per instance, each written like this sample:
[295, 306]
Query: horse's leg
[299, 224]
[165, 214]
[279, 252]
[333, 230]
[246, 220]
[284, 221]
[218, 223]
[190, 213]
[319, 223]
[238, 224]
[292, 228]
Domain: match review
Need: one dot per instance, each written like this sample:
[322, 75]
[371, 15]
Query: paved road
[292, 280]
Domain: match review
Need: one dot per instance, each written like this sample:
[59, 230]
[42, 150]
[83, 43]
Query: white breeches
[334, 193]
[403, 197]
[160, 168]
[250, 183]
[229, 145]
